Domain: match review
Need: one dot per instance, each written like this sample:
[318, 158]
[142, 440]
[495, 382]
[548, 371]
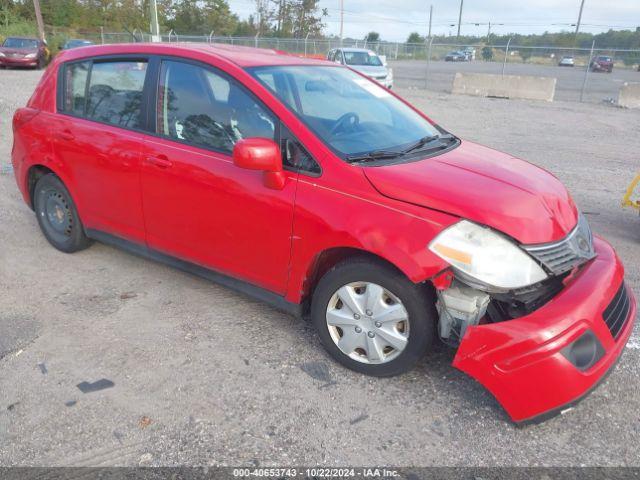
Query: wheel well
[328, 259]
[34, 174]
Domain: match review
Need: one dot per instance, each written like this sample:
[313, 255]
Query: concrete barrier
[629, 95]
[507, 86]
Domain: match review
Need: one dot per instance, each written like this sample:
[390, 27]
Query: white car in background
[364, 61]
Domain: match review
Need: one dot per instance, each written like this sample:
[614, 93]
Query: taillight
[22, 116]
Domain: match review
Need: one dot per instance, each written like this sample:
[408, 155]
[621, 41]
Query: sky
[395, 19]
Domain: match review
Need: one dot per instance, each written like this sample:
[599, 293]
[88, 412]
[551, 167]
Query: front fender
[327, 218]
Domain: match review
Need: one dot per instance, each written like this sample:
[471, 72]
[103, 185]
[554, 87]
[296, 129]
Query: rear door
[198, 205]
[98, 136]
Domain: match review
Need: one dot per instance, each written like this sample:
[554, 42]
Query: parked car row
[601, 63]
[31, 52]
[465, 55]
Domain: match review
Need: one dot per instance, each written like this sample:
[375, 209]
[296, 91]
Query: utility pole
[459, 20]
[341, 20]
[155, 27]
[36, 7]
[579, 18]
[430, 17]
[489, 34]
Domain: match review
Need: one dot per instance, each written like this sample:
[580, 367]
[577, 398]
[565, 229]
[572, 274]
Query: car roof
[23, 38]
[241, 56]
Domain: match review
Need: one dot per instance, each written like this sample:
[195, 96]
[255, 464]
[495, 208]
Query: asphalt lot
[204, 376]
[600, 86]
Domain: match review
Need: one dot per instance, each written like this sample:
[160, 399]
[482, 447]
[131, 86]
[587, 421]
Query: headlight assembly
[486, 257]
[31, 55]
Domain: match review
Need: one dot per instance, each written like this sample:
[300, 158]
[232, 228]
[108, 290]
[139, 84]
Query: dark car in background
[24, 52]
[602, 63]
[455, 56]
[75, 43]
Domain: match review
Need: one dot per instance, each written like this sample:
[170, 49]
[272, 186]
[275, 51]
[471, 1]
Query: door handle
[66, 135]
[159, 161]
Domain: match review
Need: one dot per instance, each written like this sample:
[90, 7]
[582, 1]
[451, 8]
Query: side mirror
[261, 154]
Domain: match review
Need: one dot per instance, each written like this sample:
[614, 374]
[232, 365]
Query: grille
[573, 250]
[616, 314]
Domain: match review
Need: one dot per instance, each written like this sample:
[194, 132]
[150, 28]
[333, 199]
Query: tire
[57, 215]
[363, 277]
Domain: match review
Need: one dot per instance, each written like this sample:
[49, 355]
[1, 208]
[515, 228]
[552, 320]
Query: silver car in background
[364, 61]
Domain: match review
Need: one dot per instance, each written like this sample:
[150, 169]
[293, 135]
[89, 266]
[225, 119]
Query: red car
[602, 63]
[309, 186]
[23, 52]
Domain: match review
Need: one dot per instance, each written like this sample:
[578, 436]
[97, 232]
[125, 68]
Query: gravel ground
[203, 376]
[600, 86]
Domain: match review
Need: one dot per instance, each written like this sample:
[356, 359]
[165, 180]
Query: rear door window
[114, 95]
[75, 81]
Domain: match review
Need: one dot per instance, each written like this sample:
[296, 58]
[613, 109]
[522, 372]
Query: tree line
[282, 18]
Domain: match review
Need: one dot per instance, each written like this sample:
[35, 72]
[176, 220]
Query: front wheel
[372, 319]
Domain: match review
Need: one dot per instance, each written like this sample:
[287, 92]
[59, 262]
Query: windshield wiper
[370, 156]
[387, 154]
[424, 140]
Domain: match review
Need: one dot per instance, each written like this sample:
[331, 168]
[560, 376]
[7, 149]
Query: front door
[198, 205]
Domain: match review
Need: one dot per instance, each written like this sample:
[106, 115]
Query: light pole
[155, 27]
[341, 20]
[579, 18]
[36, 8]
[430, 17]
[459, 20]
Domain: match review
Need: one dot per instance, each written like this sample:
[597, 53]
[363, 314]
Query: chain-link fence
[433, 65]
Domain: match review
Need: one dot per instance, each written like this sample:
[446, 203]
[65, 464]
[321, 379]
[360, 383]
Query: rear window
[113, 94]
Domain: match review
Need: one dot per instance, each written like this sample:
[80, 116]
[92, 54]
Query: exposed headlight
[486, 256]
[31, 55]
[1, 54]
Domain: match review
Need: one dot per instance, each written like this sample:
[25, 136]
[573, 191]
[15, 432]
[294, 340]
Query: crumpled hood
[484, 186]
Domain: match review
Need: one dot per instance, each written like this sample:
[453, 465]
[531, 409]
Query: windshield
[20, 43]
[351, 114]
[362, 58]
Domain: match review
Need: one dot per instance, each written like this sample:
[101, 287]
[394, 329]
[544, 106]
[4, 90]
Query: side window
[75, 82]
[203, 108]
[294, 155]
[115, 92]
[331, 56]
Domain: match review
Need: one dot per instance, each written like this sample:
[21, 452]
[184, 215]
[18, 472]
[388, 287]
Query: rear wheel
[372, 319]
[57, 215]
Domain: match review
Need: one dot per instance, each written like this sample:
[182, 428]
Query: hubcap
[367, 322]
[55, 211]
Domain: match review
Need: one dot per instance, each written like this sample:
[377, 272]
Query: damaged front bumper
[541, 363]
